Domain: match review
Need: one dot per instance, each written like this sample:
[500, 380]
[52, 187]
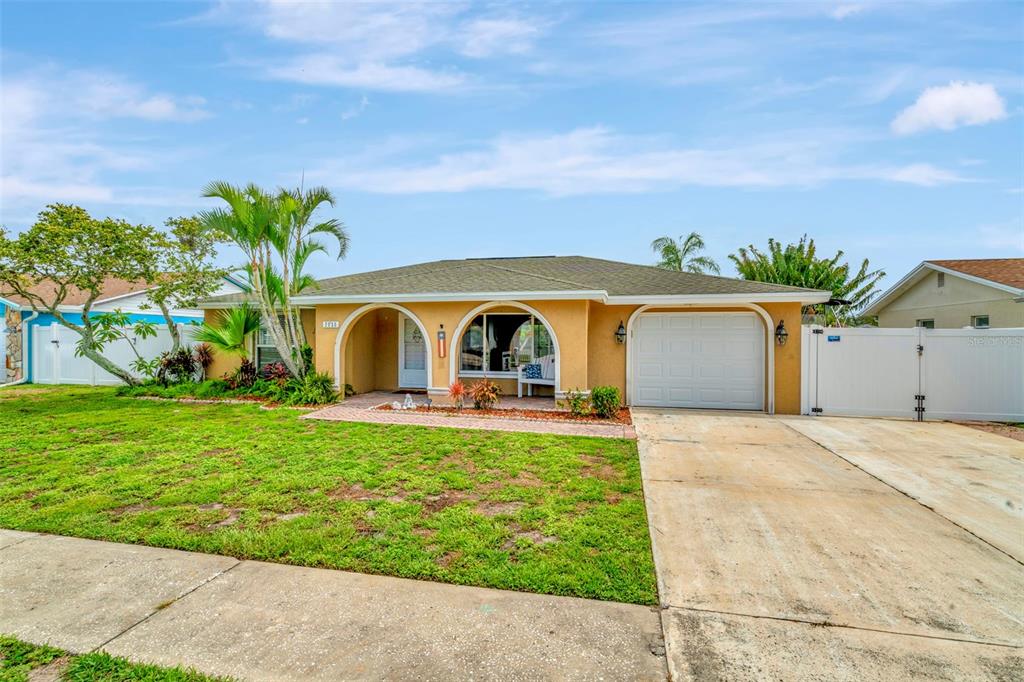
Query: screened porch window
[498, 343]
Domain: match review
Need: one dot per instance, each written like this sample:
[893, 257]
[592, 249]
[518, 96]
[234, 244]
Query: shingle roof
[112, 288]
[541, 274]
[1008, 271]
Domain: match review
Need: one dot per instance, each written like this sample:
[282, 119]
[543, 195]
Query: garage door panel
[680, 370]
[701, 360]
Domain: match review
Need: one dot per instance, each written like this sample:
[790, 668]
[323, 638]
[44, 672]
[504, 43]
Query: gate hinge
[920, 349]
[919, 409]
[816, 410]
[817, 331]
[918, 397]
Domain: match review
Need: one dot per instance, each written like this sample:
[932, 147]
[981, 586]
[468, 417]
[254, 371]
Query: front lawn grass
[19, 659]
[539, 513]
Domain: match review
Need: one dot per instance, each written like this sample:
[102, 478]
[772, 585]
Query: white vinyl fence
[54, 360]
[947, 373]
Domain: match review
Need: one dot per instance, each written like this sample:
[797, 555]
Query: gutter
[25, 350]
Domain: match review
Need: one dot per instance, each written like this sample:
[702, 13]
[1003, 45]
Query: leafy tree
[275, 232]
[67, 252]
[799, 265]
[682, 255]
[231, 331]
[185, 273]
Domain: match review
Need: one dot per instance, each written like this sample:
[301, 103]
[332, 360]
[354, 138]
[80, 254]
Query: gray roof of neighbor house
[547, 276]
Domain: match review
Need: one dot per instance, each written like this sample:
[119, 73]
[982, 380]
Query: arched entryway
[383, 347]
[495, 339]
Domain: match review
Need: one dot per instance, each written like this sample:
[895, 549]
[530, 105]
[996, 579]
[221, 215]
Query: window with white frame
[266, 351]
[496, 344]
[927, 324]
[979, 321]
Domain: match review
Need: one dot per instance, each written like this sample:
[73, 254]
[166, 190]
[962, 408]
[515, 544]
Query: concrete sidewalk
[260, 621]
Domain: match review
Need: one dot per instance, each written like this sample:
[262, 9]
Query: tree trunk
[172, 328]
[109, 366]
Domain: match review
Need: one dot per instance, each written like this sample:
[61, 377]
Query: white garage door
[708, 360]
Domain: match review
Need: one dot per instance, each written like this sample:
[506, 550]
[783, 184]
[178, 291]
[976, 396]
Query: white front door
[708, 360]
[412, 354]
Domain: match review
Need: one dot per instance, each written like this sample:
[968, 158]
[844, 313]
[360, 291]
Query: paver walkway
[360, 409]
[260, 621]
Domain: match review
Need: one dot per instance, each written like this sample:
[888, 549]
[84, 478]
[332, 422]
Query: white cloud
[52, 147]
[597, 160]
[923, 174]
[951, 106]
[377, 45]
[356, 111]
[1005, 236]
[327, 69]
[841, 12]
[486, 37]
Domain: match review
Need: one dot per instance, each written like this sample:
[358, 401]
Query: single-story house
[20, 322]
[558, 323]
[953, 294]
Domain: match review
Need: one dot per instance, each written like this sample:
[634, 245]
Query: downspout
[24, 350]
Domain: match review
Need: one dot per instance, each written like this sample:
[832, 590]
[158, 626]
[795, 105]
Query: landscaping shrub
[177, 367]
[244, 375]
[605, 400]
[457, 393]
[316, 388]
[578, 402]
[204, 356]
[212, 388]
[276, 372]
[485, 394]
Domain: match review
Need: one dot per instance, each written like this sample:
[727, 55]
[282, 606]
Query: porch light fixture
[781, 335]
[441, 345]
[620, 333]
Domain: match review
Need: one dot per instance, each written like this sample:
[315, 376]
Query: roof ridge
[534, 274]
[696, 274]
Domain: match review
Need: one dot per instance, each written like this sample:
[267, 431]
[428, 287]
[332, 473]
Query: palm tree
[273, 231]
[232, 330]
[682, 255]
[798, 265]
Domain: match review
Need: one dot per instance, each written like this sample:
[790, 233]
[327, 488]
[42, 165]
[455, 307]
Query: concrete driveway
[800, 548]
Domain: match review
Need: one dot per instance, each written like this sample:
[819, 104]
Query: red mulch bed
[516, 413]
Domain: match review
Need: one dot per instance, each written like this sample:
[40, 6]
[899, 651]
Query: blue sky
[891, 131]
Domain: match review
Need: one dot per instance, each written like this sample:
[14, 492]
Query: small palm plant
[230, 333]
[683, 255]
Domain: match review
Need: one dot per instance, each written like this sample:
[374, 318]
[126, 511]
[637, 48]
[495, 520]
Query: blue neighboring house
[19, 322]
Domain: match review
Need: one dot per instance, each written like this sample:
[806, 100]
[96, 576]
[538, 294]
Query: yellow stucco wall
[224, 363]
[371, 344]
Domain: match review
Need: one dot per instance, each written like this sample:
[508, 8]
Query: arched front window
[498, 343]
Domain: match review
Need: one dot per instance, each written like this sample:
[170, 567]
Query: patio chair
[540, 372]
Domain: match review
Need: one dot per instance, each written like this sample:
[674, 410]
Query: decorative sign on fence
[331, 324]
[833, 339]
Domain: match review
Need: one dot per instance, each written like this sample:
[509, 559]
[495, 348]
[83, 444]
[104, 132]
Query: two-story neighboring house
[952, 294]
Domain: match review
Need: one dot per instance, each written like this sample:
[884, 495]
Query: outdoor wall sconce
[620, 333]
[781, 335]
[441, 345]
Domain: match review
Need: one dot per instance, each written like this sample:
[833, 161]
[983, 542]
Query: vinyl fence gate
[54, 360]
[917, 373]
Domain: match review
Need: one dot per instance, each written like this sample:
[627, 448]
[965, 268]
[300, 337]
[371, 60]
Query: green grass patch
[18, 659]
[532, 512]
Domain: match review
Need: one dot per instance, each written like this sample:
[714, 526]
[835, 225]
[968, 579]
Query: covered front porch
[386, 350]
